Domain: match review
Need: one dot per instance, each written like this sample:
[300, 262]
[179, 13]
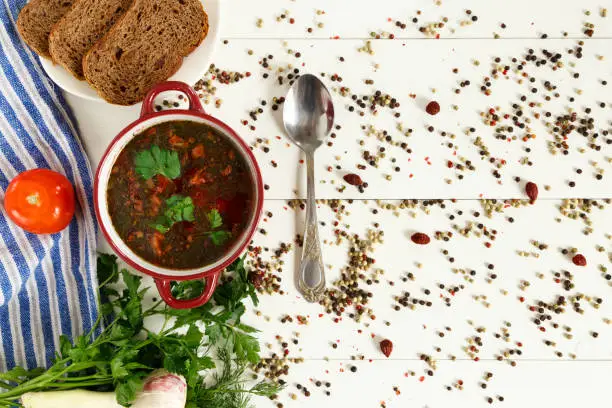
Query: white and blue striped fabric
[48, 285]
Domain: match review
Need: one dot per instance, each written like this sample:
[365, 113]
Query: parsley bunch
[125, 351]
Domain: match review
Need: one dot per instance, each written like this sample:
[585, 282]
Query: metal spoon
[308, 116]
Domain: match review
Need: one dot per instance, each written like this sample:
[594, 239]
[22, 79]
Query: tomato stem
[33, 199]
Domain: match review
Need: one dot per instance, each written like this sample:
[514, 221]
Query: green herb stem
[121, 356]
[47, 379]
[82, 384]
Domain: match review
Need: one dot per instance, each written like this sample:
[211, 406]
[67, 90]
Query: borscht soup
[180, 195]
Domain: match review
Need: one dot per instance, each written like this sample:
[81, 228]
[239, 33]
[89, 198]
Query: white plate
[193, 68]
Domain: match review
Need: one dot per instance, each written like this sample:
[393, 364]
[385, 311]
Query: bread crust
[57, 45]
[29, 24]
[170, 62]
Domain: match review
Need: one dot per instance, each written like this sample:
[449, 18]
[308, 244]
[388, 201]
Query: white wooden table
[415, 68]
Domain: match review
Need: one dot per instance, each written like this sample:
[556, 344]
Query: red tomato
[40, 201]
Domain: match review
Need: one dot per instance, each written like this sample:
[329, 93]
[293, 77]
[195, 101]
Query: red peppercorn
[579, 260]
[353, 179]
[532, 191]
[433, 108]
[386, 346]
[420, 238]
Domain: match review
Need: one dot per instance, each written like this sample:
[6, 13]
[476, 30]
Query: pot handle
[163, 286]
[148, 105]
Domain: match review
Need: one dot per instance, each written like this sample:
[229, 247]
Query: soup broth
[180, 195]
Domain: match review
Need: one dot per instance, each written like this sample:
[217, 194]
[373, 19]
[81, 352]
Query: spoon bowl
[308, 112]
[308, 116]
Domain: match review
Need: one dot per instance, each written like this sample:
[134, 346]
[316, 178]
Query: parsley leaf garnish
[160, 227]
[214, 218]
[158, 161]
[218, 237]
[178, 208]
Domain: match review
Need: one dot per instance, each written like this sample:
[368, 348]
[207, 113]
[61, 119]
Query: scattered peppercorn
[433, 108]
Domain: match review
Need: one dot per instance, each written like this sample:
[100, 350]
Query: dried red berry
[386, 346]
[353, 179]
[532, 191]
[420, 238]
[432, 108]
[579, 260]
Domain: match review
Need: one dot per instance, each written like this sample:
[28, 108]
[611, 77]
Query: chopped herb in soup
[180, 195]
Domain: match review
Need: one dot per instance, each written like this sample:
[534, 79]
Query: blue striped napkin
[48, 285]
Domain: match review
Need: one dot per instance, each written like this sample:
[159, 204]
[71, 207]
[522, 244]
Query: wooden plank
[357, 18]
[529, 384]
[423, 70]
[489, 299]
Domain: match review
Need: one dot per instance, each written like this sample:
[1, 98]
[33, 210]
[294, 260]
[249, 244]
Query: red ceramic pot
[163, 276]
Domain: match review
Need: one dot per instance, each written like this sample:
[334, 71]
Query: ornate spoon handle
[311, 279]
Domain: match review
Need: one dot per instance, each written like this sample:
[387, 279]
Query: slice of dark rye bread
[145, 47]
[36, 20]
[80, 28]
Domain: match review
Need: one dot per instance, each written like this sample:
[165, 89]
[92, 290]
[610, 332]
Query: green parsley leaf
[231, 293]
[194, 367]
[121, 331]
[117, 368]
[188, 212]
[175, 199]
[158, 161]
[161, 228]
[177, 359]
[133, 313]
[238, 267]
[213, 331]
[220, 237]
[131, 281]
[122, 363]
[19, 374]
[246, 347]
[178, 208]
[108, 270]
[78, 355]
[127, 389]
[65, 345]
[193, 337]
[214, 219]
[247, 329]
[187, 289]
[238, 312]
